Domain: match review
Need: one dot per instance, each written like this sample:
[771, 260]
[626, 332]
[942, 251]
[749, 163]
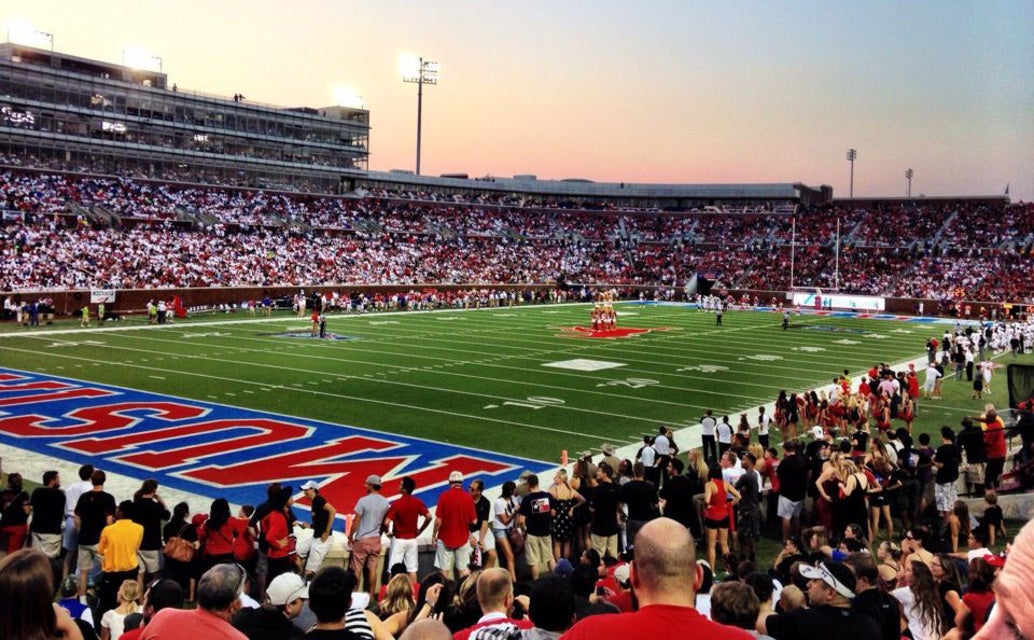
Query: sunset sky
[677, 91]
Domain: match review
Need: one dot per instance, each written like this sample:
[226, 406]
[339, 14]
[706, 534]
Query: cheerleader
[907, 412]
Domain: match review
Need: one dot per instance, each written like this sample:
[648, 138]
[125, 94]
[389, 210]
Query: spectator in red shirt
[665, 578]
[401, 523]
[994, 439]
[276, 532]
[454, 516]
[219, 534]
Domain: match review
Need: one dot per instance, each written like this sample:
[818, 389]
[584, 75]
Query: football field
[490, 391]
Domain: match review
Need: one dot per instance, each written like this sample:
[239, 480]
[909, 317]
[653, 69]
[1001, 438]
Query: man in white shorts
[401, 524]
[454, 516]
[322, 529]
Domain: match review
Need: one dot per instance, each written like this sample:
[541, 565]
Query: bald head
[427, 629]
[494, 589]
[664, 569]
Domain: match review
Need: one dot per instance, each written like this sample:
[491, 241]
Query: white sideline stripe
[207, 323]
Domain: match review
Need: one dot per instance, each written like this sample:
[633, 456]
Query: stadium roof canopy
[532, 185]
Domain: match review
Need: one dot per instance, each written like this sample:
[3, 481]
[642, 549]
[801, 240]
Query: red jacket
[994, 438]
[274, 530]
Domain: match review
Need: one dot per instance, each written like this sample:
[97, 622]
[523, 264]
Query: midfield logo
[218, 451]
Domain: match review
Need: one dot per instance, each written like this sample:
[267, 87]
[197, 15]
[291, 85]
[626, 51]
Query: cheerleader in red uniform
[907, 411]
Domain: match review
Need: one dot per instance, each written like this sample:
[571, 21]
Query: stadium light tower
[421, 72]
[851, 155]
[908, 176]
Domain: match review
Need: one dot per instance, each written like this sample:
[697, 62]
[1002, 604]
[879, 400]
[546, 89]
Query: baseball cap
[285, 588]
[994, 560]
[621, 575]
[373, 480]
[563, 567]
[834, 574]
[455, 476]
[311, 484]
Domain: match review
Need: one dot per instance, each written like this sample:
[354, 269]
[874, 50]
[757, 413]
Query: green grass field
[482, 378]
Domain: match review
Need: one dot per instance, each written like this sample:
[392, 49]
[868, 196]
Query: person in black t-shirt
[536, 516]
[14, 523]
[149, 511]
[48, 514]
[793, 482]
[870, 601]
[678, 494]
[605, 505]
[322, 528]
[830, 590]
[94, 511]
[947, 461]
[971, 440]
[641, 498]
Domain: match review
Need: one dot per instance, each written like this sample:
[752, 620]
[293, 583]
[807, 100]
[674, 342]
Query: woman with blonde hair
[27, 593]
[699, 466]
[397, 603]
[567, 502]
[757, 451]
[113, 621]
[849, 505]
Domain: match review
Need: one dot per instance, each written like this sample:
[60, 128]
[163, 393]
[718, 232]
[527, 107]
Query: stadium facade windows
[66, 111]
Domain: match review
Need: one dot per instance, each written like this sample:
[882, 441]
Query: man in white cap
[322, 528]
[365, 534]
[522, 485]
[452, 522]
[609, 457]
[274, 619]
[831, 587]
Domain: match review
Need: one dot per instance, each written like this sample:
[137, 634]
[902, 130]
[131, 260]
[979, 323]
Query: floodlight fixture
[851, 155]
[908, 176]
[421, 73]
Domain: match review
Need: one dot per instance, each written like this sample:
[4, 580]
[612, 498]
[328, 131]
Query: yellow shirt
[118, 544]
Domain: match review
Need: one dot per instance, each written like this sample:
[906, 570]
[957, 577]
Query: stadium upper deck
[76, 113]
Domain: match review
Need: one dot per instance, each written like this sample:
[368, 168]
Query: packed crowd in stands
[74, 231]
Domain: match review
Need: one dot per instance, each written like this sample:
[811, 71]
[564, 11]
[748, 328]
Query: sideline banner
[836, 301]
[98, 296]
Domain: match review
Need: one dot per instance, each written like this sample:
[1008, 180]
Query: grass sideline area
[520, 381]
